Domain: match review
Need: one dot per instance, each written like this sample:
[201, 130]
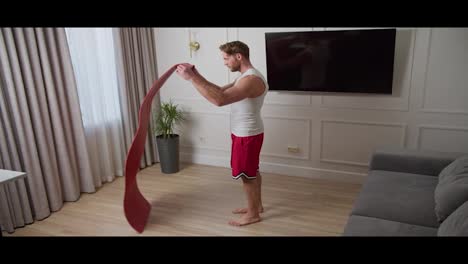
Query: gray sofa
[412, 193]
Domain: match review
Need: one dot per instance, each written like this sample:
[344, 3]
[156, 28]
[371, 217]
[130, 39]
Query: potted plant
[167, 141]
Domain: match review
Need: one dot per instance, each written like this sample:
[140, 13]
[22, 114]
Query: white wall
[334, 134]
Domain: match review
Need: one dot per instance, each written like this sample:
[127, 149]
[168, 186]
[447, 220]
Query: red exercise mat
[136, 207]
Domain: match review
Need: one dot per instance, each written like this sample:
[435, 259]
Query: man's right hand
[186, 71]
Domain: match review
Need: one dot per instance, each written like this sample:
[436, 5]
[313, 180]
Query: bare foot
[244, 210]
[245, 220]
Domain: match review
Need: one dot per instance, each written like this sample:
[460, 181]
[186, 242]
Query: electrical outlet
[293, 149]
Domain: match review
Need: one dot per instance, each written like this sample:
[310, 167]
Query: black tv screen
[343, 61]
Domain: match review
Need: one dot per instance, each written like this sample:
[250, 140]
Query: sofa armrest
[411, 161]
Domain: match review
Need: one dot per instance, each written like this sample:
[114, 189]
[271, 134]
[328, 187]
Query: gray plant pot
[168, 150]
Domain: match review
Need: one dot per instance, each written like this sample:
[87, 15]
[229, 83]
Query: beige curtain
[41, 130]
[137, 71]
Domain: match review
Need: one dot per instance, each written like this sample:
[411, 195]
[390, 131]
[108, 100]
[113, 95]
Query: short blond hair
[234, 47]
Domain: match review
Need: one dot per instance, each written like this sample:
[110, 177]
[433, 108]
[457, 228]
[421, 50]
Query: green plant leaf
[166, 119]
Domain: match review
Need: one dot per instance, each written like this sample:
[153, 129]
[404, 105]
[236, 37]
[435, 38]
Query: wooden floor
[197, 201]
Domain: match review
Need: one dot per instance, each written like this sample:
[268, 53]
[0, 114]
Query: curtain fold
[93, 59]
[137, 72]
[42, 131]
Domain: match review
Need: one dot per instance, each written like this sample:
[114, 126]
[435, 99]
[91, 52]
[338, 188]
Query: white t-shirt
[245, 114]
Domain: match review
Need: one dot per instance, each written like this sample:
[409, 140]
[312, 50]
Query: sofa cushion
[399, 197]
[369, 226]
[456, 223]
[452, 188]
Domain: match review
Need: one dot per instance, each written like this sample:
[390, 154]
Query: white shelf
[7, 175]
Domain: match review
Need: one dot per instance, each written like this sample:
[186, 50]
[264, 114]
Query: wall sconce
[194, 46]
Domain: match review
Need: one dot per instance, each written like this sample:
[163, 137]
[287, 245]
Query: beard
[235, 68]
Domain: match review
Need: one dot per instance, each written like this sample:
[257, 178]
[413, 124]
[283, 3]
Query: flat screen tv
[341, 61]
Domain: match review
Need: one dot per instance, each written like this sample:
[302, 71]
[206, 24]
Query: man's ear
[238, 56]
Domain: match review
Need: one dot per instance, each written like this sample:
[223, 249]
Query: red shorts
[245, 155]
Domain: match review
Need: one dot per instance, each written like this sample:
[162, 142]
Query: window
[93, 59]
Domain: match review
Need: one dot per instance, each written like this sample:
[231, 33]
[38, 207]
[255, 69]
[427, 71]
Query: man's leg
[259, 192]
[259, 197]
[252, 215]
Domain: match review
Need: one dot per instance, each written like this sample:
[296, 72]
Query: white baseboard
[292, 170]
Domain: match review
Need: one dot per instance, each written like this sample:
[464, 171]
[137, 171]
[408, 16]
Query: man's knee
[249, 181]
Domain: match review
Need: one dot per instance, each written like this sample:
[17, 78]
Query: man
[246, 94]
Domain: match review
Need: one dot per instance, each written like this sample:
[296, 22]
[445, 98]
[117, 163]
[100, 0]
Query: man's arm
[229, 85]
[250, 86]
